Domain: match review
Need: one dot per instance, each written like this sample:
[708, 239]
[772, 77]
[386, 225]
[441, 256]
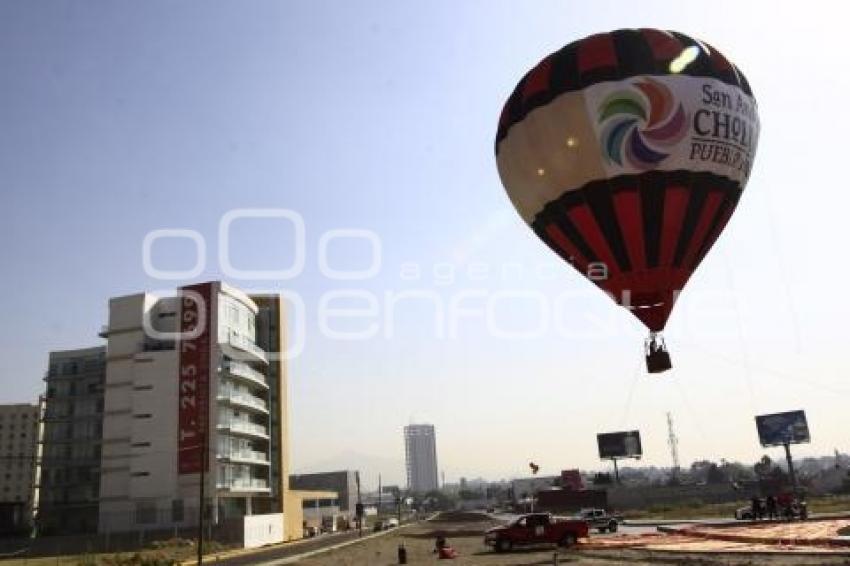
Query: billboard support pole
[616, 472]
[791, 473]
[360, 511]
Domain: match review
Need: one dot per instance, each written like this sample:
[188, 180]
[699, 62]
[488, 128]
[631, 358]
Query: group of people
[783, 506]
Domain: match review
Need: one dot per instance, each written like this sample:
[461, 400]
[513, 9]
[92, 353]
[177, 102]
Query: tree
[439, 501]
[700, 468]
[735, 471]
[715, 474]
[602, 479]
[762, 467]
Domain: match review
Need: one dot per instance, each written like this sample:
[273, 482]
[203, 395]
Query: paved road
[296, 549]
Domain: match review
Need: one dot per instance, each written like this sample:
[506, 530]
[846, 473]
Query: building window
[177, 511]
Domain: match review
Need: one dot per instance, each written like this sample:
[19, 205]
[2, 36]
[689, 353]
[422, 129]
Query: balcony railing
[246, 345]
[244, 484]
[249, 456]
[244, 427]
[244, 371]
[243, 399]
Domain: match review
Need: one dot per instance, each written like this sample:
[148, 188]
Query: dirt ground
[466, 536]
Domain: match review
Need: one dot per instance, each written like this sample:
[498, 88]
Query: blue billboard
[783, 428]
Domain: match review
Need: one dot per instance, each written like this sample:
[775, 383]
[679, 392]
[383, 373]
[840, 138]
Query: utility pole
[379, 495]
[203, 480]
[673, 443]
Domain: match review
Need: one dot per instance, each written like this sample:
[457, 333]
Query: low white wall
[260, 530]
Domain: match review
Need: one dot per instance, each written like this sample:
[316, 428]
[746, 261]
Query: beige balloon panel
[552, 150]
[556, 149]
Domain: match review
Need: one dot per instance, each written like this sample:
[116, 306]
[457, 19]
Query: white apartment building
[19, 431]
[225, 374]
[420, 449]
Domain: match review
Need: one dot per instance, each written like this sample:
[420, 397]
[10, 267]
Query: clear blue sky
[118, 118]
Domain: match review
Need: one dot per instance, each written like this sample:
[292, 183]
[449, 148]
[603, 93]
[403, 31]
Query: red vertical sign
[193, 376]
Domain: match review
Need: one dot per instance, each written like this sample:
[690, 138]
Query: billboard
[783, 428]
[193, 376]
[624, 444]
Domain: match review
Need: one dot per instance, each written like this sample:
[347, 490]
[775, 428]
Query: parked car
[391, 523]
[599, 519]
[798, 510]
[536, 528]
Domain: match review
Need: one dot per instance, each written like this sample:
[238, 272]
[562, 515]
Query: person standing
[755, 507]
[770, 503]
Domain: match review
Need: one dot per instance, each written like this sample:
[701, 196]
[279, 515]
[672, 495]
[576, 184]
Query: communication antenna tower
[673, 443]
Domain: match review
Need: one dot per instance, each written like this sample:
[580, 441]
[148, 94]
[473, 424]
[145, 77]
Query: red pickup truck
[536, 528]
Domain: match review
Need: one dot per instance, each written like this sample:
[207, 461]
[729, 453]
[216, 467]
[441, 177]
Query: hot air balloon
[627, 152]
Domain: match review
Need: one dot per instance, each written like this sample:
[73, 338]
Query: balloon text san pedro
[627, 152]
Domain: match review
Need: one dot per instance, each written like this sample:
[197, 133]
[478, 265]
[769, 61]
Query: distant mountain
[392, 470]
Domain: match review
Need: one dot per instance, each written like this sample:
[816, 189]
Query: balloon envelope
[627, 152]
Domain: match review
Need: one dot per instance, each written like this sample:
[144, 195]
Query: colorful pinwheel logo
[640, 124]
